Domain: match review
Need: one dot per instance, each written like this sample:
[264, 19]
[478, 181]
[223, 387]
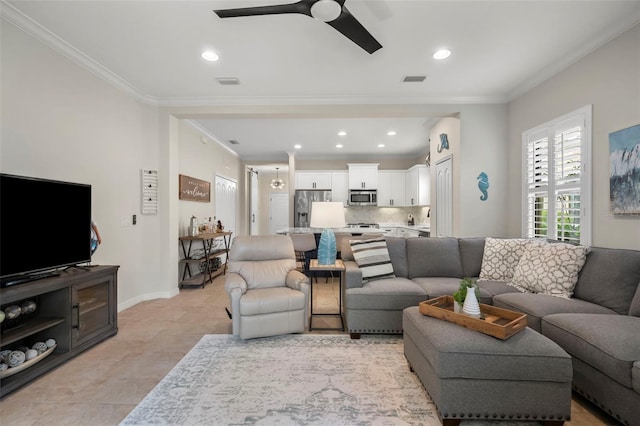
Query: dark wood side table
[339, 267]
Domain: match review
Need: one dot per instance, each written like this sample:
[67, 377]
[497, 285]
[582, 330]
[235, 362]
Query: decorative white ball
[3, 366]
[4, 355]
[15, 358]
[50, 343]
[40, 347]
[2, 315]
[30, 354]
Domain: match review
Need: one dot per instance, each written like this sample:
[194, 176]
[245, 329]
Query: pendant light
[277, 183]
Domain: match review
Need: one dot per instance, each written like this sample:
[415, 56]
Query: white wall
[477, 143]
[609, 79]
[61, 122]
[202, 161]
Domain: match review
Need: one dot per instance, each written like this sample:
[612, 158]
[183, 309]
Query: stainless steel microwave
[363, 198]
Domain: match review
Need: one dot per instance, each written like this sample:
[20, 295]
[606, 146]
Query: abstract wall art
[624, 171]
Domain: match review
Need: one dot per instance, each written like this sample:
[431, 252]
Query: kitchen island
[352, 231]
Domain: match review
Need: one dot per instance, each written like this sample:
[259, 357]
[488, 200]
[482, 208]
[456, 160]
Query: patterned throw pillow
[372, 257]
[550, 269]
[501, 256]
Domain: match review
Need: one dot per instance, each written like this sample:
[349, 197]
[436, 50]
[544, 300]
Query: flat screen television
[44, 226]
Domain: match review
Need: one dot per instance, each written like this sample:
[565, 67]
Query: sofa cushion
[635, 376]
[443, 286]
[388, 294]
[471, 252]
[262, 301]
[549, 269]
[634, 309]
[497, 287]
[501, 256]
[537, 306]
[617, 270]
[434, 257]
[372, 257]
[609, 343]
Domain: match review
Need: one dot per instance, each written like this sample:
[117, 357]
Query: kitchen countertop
[319, 230]
[417, 227]
[357, 230]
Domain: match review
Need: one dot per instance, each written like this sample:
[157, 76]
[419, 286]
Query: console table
[210, 251]
[339, 267]
[77, 308]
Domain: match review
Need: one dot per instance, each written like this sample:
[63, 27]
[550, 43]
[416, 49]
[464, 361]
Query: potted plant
[461, 293]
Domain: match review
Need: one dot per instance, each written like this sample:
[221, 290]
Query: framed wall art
[193, 189]
[624, 171]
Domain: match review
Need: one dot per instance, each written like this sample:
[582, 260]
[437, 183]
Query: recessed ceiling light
[380, 145]
[339, 145]
[442, 54]
[297, 146]
[342, 133]
[210, 55]
[391, 133]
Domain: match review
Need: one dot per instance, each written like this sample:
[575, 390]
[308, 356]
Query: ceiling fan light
[326, 10]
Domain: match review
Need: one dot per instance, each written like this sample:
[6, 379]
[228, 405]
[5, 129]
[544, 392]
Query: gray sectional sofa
[599, 326]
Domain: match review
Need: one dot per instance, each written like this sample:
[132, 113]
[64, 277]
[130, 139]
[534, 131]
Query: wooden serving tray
[496, 322]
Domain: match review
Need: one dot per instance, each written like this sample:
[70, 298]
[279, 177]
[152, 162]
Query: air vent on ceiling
[228, 81]
[234, 142]
[413, 78]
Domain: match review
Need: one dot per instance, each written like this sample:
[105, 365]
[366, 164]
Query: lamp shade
[328, 214]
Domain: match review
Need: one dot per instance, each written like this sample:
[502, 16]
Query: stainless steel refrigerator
[302, 202]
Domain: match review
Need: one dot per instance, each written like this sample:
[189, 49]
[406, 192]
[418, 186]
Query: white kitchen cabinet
[363, 176]
[340, 187]
[391, 188]
[313, 180]
[408, 233]
[417, 190]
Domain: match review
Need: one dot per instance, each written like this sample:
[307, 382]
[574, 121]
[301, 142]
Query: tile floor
[102, 385]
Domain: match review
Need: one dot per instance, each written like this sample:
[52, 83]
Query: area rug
[289, 380]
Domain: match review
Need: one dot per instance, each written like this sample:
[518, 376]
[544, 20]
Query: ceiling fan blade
[351, 28]
[303, 7]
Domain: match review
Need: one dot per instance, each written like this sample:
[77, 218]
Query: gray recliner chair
[268, 295]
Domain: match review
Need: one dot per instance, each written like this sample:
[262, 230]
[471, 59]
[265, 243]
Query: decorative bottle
[471, 306]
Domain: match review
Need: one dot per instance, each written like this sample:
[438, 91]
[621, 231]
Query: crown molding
[546, 73]
[40, 33]
[10, 14]
[328, 100]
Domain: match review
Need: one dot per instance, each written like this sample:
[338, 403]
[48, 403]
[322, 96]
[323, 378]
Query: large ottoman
[470, 375]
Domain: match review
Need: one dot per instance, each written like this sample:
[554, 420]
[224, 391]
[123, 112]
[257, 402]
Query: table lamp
[327, 215]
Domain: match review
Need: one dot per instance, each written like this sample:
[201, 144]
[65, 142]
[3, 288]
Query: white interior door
[226, 201]
[444, 198]
[255, 206]
[278, 211]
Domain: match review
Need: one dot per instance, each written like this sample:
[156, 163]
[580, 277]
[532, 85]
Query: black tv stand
[27, 278]
[77, 309]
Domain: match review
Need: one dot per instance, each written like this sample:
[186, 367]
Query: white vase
[471, 306]
[457, 307]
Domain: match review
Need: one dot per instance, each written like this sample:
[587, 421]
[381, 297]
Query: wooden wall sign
[193, 189]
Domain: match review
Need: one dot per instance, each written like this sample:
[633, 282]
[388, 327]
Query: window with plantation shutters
[557, 179]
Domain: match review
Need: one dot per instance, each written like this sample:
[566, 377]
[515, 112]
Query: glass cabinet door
[92, 310]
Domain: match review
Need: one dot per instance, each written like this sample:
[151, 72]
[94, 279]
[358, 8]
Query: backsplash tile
[371, 214]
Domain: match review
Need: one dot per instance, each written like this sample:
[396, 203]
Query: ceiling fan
[333, 12]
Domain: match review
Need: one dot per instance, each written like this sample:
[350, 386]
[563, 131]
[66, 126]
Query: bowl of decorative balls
[13, 361]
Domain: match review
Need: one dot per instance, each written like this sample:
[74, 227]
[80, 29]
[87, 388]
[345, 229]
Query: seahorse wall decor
[444, 142]
[483, 185]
